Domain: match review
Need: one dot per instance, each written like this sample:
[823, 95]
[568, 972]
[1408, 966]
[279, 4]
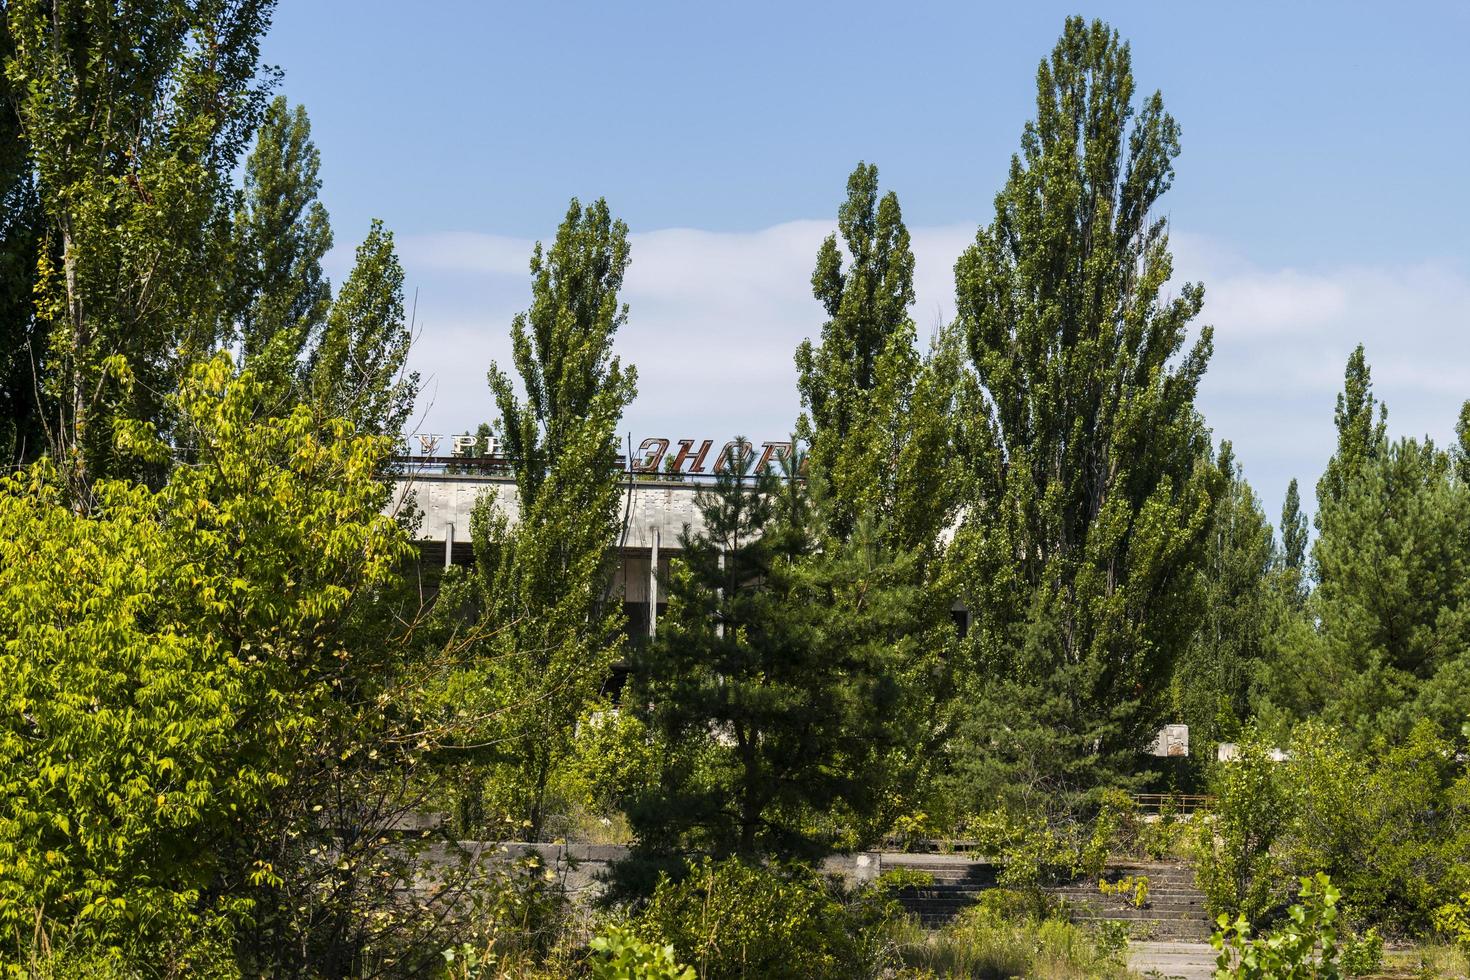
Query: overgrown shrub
[619, 954]
[1452, 920]
[733, 919]
[1391, 828]
[1235, 866]
[1308, 945]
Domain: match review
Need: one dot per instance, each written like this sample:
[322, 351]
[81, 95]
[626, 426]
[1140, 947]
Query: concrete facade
[657, 510]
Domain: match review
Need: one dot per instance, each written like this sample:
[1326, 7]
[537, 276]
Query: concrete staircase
[1175, 909]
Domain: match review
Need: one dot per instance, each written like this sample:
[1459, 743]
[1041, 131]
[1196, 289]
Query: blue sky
[1321, 195]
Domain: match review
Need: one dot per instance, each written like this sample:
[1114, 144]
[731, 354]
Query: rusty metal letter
[742, 453]
[780, 450]
[687, 453]
[655, 449]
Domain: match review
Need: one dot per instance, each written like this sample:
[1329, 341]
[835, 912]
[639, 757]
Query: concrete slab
[1188, 961]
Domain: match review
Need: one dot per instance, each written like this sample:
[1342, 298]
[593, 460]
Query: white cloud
[716, 316]
[1282, 338]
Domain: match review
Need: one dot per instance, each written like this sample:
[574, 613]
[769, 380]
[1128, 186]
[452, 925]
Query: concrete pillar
[720, 592]
[653, 587]
[448, 545]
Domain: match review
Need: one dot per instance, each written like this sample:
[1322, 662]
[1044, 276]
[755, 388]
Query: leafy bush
[171, 658]
[733, 919]
[1452, 920]
[1131, 888]
[1235, 867]
[1308, 945]
[1030, 850]
[1391, 828]
[619, 954]
[1166, 837]
[1362, 955]
[1016, 906]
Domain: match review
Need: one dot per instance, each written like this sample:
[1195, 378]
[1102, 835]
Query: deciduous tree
[281, 234]
[1089, 509]
[543, 581]
[358, 370]
[134, 116]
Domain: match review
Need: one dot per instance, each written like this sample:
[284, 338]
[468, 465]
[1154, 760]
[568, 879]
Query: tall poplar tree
[544, 580]
[876, 412]
[134, 116]
[883, 476]
[1089, 507]
[1361, 431]
[358, 369]
[1292, 556]
[281, 234]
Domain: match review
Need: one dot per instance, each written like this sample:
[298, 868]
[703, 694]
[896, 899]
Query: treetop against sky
[1319, 194]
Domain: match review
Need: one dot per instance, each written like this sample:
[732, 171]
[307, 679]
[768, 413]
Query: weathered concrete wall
[583, 868]
[449, 499]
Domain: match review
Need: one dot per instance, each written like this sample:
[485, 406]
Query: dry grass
[981, 944]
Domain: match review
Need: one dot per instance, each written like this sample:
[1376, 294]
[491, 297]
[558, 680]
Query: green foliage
[877, 414]
[1362, 955]
[134, 119]
[1214, 679]
[1308, 945]
[1032, 851]
[613, 759]
[780, 679]
[1391, 609]
[541, 584]
[982, 943]
[22, 342]
[171, 659]
[1392, 829]
[522, 910]
[1293, 554]
[357, 370]
[1131, 888]
[1087, 508]
[1452, 920]
[1235, 866]
[734, 919]
[1361, 433]
[281, 234]
[619, 954]
[878, 419]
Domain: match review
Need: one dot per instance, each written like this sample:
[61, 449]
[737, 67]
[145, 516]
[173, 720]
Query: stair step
[1175, 909]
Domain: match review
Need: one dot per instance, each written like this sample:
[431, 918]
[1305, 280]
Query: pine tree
[1089, 510]
[772, 712]
[543, 582]
[281, 234]
[1392, 558]
[358, 370]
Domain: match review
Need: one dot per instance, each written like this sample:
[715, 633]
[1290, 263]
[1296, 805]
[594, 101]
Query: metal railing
[1181, 803]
